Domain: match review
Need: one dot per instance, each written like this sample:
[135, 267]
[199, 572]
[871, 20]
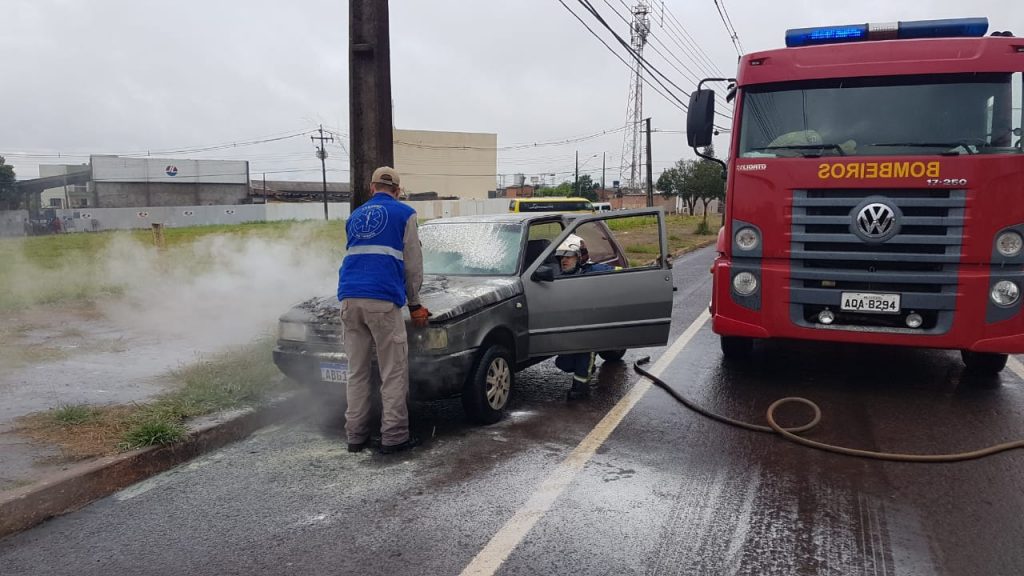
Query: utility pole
[650, 175]
[602, 170]
[264, 187]
[369, 79]
[321, 153]
[576, 184]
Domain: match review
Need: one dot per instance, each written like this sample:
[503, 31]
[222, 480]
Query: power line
[522, 146]
[689, 73]
[672, 101]
[640, 59]
[727, 22]
[679, 32]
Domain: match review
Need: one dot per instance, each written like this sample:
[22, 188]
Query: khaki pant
[379, 322]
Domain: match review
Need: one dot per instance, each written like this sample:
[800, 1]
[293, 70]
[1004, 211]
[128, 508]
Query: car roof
[554, 199]
[505, 217]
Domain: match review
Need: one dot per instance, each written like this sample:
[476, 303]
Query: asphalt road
[544, 492]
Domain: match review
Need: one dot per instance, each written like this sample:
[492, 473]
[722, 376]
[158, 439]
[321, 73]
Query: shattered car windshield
[471, 248]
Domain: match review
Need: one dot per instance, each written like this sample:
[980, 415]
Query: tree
[707, 181]
[587, 188]
[563, 189]
[677, 181]
[9, 197]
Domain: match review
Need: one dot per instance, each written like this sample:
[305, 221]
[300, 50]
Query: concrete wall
[97, 219]
[12, 222]
[458, 164]
[152, 194]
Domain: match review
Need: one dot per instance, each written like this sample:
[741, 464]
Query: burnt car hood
[447, 298]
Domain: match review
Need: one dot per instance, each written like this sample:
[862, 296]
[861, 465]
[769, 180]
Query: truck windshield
[949, 114]
[471, 248]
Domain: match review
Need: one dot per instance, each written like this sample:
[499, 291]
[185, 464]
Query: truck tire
[612, 355]
[737, 348]
[986, 363]
[487, 391]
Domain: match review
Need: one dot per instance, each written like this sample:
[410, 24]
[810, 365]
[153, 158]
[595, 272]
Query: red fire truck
[875, 190]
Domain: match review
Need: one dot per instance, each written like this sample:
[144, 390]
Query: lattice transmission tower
[629, 171]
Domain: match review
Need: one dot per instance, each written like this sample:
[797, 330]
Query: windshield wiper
[821, 147]
[950, 145]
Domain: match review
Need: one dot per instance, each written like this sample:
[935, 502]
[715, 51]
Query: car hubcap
[499, 382]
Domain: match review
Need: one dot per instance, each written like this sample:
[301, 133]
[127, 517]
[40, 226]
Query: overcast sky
[118, 76]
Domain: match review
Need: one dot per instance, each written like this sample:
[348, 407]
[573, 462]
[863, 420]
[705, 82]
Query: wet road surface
[668, 492]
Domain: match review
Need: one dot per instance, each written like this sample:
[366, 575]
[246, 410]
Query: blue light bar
[827, 35]
[953, 28]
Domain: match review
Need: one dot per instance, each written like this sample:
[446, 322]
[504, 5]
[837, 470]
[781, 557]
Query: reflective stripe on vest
[380, 250]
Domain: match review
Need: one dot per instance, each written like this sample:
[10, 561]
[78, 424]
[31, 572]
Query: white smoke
[219, 291]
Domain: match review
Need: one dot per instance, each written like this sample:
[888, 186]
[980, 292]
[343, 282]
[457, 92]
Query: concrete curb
[88, 481]
[702, 244]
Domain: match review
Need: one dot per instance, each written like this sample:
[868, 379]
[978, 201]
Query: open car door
[628, 307]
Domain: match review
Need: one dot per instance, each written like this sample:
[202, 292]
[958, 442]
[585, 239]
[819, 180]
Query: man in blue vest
[573, 259]
[381, 273]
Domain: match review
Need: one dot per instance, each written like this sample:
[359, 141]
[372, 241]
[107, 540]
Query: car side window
[599, 245]
[540, 237]
[626, 243]
[545, 230]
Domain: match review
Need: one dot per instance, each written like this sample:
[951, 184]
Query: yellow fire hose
[792, 433]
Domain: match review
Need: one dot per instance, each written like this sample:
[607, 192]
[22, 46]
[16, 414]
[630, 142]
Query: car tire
[612, 355]
[486, 393]
[985, 363]
[737, 348]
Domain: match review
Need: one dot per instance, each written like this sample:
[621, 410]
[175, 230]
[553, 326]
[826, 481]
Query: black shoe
[412, 442]
[358, 447]
[579, 390]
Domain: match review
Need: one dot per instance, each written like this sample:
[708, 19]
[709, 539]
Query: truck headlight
[1009, 243]
[747, 239]
[744, 283]
[1005, 293]
[295, 331]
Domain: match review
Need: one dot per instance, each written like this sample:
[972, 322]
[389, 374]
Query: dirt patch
[99, 436]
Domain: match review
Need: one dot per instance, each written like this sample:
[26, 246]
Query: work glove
[420, 316]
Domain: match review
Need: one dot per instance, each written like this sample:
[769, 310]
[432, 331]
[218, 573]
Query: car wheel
[737, 348]
[983, 362]
[612, 355]
[487, 391]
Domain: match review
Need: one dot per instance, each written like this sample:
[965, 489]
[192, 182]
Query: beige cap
[386, 175]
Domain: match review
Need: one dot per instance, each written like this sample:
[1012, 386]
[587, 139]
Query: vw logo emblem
[876, 220]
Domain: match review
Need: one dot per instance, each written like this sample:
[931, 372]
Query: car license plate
[870, 303]
[334, 372]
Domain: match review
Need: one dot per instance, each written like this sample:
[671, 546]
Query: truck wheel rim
[499, 382]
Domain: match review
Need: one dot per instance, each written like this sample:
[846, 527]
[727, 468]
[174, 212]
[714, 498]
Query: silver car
[499, 304]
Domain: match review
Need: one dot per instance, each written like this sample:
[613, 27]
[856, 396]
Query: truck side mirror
[543, 273]
[700, 118]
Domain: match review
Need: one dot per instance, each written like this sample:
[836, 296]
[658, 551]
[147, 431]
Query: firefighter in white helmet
[573, 259]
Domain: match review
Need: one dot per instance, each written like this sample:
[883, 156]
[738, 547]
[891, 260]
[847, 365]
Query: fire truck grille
[831, 255]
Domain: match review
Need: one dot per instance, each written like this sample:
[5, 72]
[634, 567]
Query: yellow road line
[512, 533]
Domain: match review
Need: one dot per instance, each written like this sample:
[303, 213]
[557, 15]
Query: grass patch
[74, 414]
[152, 432]
[234, 379]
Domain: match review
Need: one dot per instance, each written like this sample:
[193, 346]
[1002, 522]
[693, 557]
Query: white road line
[1016, 366]
[512, 533]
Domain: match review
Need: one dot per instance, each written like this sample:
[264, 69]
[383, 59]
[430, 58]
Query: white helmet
[571, 246]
